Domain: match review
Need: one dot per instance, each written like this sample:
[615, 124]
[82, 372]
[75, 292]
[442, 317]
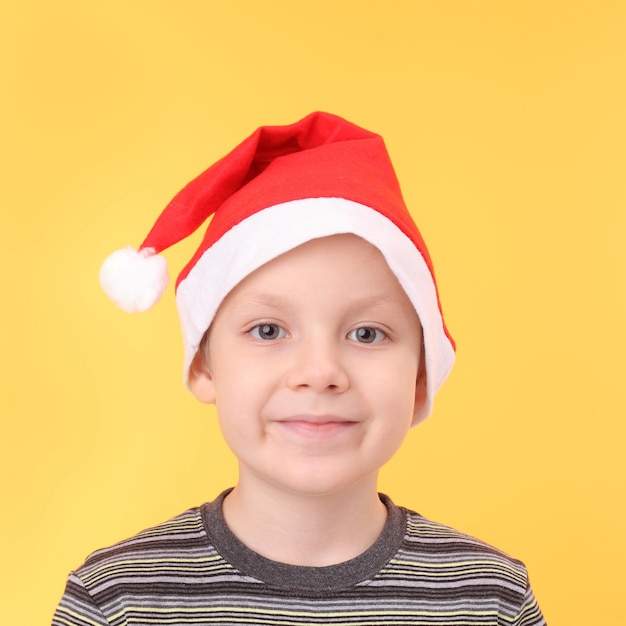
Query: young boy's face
[313, 362]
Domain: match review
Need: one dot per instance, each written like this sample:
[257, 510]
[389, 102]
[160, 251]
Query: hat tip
[133, 279]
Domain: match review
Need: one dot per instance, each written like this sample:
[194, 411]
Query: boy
[311, 320]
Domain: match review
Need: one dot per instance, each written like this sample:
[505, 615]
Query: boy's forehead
[326, 250]
[324, 254]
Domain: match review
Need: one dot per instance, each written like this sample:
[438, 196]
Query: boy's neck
[309, 530]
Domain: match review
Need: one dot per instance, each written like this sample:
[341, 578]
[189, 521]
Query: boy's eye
[268, 332]
[366, 334]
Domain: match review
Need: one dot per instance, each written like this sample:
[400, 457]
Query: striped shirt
[193, 570]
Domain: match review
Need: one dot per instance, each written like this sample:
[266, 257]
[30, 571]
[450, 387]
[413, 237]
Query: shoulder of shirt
[181, 534]
[438, 543]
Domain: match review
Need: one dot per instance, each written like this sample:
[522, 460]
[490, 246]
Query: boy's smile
[313, 362]
[316, 427]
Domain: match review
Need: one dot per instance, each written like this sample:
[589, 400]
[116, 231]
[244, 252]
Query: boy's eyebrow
[284, 302]
[378, 303]
[264, 299]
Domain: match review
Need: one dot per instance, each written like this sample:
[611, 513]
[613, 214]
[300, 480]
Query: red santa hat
[279, 188]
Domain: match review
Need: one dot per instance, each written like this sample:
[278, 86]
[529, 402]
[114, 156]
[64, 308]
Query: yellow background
[506, 123]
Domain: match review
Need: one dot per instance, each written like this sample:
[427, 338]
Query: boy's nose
[318, 365]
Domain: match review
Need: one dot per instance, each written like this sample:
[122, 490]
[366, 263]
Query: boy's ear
[200, 380]
[420, 391]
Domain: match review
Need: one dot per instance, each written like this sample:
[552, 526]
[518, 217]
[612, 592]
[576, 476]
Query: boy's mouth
[317, 427]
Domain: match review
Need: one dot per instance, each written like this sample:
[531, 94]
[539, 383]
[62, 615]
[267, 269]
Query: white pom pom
[134, 280]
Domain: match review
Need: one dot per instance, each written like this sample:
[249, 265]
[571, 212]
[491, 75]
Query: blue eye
[366, 334]
[268, 332]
